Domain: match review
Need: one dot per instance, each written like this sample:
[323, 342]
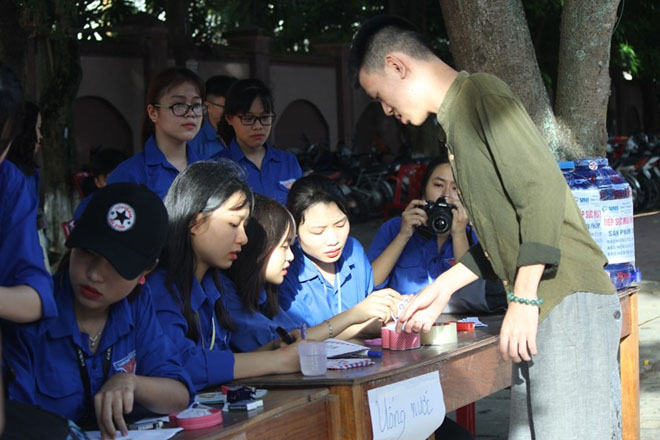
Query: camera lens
[441, 223]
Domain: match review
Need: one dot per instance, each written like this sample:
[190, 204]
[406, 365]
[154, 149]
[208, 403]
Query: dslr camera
[439, 218]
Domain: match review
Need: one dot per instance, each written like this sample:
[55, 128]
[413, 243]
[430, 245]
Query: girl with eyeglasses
[174, 116]
[208, 206]
[249, 117]
[260, 270]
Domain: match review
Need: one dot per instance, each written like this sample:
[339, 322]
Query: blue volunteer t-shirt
[279, 169]
[150, 167]
[254, 329]
[210, 360]
[207, 143]
[306, 296]
[43, 357]
[21, 256]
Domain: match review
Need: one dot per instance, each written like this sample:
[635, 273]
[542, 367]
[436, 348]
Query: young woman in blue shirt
[26, 288]
[330, 272]
[174, 116]
[106, 351]
[407, 261]
[208, 206]
[249, 115]
[23, 153]
[260, 270]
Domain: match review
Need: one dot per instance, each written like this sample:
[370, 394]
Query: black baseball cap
[126, 223]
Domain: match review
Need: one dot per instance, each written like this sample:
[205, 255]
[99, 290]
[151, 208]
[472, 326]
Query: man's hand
[518, 332]
[521, 321]
[422, 310]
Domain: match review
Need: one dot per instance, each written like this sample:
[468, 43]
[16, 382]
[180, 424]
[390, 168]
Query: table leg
[465, 417]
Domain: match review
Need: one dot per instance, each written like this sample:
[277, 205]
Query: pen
[141, 426]
[286, 337]
[303, 330]
[365, 354]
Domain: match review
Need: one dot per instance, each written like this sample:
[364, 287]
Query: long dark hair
[239, 99]
[309, 191]
[161, 84]
[22, 148]
[268, 223]
[11, 106]
[200, 188]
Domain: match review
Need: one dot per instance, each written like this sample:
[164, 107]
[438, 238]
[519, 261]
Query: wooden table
[629, 363]
[469, 370]
[286, 415]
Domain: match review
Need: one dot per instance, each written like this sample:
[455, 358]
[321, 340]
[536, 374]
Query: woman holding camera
[406, 255]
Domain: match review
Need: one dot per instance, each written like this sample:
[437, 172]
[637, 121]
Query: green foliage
[636, 41]
[97, 17]
[629, 61]
[296, 25]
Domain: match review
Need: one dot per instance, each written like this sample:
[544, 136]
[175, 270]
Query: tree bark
[60, 73]
[493, 36]
[177, 24]
[583, 85]
[13, 39]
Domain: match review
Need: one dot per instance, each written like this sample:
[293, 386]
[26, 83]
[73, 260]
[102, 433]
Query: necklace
[93, 339]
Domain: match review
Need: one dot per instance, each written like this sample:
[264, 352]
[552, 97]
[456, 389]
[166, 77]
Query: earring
[142, 280]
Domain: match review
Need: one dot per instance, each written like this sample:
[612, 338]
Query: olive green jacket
[520, 206]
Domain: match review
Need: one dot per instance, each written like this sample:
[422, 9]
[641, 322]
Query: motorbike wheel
[386, 188]
[635, 189]
[652, 191]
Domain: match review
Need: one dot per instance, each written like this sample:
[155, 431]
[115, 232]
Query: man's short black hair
[105, 161]
[381, 35]
[219, 84]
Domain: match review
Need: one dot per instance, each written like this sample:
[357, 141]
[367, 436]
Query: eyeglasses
[249, 120]
[182, 109]
[215, 105]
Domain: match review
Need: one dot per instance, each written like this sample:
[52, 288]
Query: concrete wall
[119, 80]
[311, 83]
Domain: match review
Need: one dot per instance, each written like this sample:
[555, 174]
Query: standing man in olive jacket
[562, 325]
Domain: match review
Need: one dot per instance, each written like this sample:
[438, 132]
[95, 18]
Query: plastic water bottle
[616, 206]
[587, 197]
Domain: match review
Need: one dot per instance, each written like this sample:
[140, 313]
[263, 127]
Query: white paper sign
[410, 409]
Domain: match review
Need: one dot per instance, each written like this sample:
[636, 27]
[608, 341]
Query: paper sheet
[409, 409]
[337, 347]
[148, 434]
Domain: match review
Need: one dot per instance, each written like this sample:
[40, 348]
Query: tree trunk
[493, 36]
[583, 85]
[177, 25]
[13, 39]
[58, 61]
